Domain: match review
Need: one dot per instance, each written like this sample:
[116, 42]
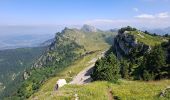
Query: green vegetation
[124, 89]
[125, 69]
[153, 66]
[69, 46]
[14, 61]
[68, 73]
[139, 63]
[110, 69]
[39, 75]
[166, 47]
[73, 50]
[147, 39]
[107, 69]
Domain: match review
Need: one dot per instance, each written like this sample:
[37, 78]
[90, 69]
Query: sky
[104, 14]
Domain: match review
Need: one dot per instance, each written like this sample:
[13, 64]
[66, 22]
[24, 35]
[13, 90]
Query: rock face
[88, 28]
[125, 44]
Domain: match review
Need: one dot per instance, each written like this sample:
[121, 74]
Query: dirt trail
[84, 76]
[110, 95]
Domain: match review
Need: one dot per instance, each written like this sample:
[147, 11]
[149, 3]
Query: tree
[153, 64]
[166, 35]
[128, 28]
[124, 69]
[106, 69]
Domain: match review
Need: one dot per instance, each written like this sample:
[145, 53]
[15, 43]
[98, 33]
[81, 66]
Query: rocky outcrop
[88, 28]
[125, 44]
[26, 75]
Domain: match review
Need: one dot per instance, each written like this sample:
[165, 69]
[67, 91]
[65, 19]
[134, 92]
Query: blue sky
[101, 13]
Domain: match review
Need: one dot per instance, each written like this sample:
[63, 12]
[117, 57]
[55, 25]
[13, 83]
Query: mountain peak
[88, 28]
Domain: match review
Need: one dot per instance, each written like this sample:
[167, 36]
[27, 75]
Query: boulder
[60, 83]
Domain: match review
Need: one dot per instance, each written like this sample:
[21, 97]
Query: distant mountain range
[160, 31]
[12, 37]
[20, 41]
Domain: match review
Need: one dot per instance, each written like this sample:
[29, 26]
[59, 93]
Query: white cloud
[145, 16]
[163, 15]
[136, 9]
[136, 22]
[157, 20]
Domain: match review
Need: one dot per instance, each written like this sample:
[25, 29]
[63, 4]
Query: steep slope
[68, 46]
[77, 42]
[12, 65]
[14, 61]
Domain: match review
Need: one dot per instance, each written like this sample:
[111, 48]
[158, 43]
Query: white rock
[61, 82]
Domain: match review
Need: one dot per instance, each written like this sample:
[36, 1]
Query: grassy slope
[148, 39]
[91, 41]
[75, 68]
[126, 90]
[130, 90]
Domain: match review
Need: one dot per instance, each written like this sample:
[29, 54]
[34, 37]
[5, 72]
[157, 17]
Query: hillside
[68, 46]
[13, 62]
[81, 42]
[124, 90]
[127, 87]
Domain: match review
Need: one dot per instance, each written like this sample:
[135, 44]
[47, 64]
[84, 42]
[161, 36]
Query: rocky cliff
[126, 44]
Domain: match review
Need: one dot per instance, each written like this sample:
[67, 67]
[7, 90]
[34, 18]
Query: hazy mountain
[160, 31]
[25, 36]
[20, 41]
[88, 28]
